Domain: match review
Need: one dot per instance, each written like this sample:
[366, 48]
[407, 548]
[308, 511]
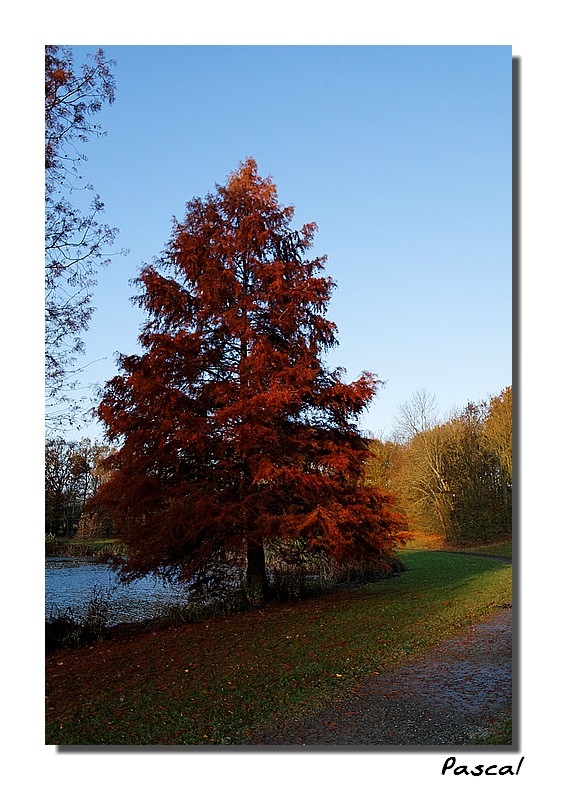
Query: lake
[70, 583]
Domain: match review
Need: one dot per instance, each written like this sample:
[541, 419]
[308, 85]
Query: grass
[497, 549]
[82, 548]
[500, 732]
[435, 541]
[223, 680]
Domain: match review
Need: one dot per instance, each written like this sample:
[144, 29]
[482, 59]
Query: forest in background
[452, 477]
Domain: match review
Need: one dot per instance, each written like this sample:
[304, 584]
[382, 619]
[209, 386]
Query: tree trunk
[256, 578]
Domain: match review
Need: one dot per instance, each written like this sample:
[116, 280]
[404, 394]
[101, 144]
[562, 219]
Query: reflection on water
[70, 583]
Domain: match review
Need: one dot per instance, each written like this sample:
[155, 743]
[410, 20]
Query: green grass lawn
[498, 549]
[67, 547]
[434, 541]
[222, 680]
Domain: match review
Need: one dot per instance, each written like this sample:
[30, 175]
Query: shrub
[358, 572]
[78, 627]
[50, 544]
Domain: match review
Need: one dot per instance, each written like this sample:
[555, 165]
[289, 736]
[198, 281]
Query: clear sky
[400, 154]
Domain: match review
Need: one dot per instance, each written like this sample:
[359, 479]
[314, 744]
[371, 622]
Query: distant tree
[498, 430]
[418, 479]
[455, 477]
[75, 238]
[416, 415]
[232, 432]
[60, 505]
[471, 472]
[73, 473]
[382, 465]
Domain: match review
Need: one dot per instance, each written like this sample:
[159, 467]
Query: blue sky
[402, 155]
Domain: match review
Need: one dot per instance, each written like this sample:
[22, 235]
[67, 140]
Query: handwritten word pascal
[451, 766]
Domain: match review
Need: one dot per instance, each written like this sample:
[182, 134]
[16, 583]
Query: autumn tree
[383, 464]
[59, 499]
[232, 432]
[455, 477]
[471, 471]
[498, 432]
[73, 473]
[418, 479]
[76, 240]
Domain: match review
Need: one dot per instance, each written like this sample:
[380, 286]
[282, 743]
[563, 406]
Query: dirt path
[446, 697]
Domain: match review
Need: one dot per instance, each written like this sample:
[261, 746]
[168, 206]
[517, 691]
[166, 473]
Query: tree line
[74, 471]
[454, 477]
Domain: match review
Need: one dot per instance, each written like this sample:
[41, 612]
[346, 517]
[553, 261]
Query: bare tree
[76, 241]
[420, 479]
[416, 415]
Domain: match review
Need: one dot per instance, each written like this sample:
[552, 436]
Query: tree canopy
[232, 434]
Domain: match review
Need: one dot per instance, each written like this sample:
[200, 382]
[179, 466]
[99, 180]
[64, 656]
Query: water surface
[70, 583]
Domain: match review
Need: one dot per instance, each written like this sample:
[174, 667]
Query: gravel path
[445, 697]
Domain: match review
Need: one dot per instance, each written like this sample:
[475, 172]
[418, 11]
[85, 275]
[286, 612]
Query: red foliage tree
[232, 432]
